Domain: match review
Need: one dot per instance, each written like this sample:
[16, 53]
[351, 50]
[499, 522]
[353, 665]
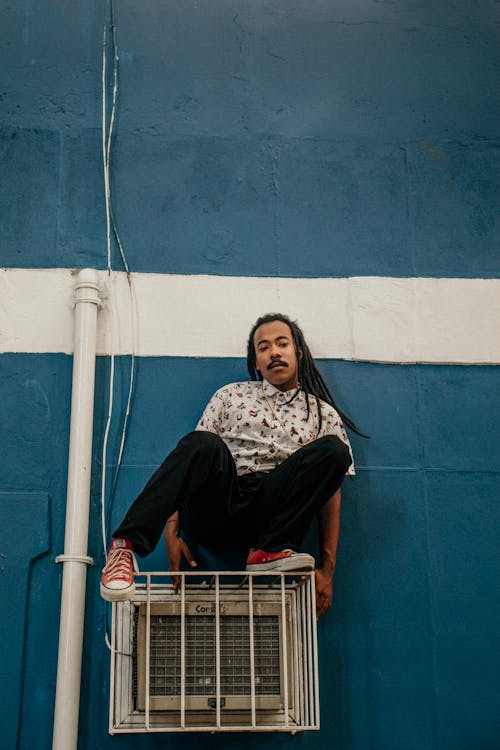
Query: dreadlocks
[310, 379]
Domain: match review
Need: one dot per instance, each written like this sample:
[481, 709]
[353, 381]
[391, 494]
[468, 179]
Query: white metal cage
[236, 652]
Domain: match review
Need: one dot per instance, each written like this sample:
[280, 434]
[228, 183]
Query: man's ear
[300, 354]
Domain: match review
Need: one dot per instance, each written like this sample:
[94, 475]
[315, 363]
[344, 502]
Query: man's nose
[275, 353]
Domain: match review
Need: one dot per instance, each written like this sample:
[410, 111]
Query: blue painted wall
[290, 137]
[269, 138]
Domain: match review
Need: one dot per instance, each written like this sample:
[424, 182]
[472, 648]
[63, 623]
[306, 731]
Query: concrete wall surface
[338, 161]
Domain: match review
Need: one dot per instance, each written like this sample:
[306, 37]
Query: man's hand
[176, 549]
[329, 526]
[324, 581]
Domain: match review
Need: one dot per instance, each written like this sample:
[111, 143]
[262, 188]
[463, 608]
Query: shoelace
[119, 563]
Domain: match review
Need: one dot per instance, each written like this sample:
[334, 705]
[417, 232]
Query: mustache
[277, 362]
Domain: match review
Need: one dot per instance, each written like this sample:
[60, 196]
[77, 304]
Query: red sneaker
[258, 559]
[117, 582]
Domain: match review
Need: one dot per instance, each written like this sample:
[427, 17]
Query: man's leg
[199, 479]
[291, 495]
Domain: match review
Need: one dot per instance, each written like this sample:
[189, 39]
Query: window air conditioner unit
[235, 653]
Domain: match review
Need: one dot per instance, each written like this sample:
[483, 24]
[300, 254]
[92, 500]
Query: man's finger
[187, 554]
[323, 604]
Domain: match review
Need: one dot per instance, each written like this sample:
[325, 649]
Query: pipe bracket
[75, 558]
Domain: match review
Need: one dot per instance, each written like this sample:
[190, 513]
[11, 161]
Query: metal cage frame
[286, 598]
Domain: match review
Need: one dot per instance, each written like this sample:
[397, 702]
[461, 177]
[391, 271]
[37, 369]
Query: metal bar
[284, 645]
[307, 649]
[112, 706]
[310, 628]
[221, 573]
[217, 649]
[129, 623]
[148, 650]
[122, 671]
[295, 681]
[315, 650]
[226, 728]
[303, 672]
[252, 650]
[183, 651]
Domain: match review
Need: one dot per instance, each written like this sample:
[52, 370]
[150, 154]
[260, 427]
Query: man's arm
[329, 527]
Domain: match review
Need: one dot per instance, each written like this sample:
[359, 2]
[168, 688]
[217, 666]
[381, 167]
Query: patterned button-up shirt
[262, 426]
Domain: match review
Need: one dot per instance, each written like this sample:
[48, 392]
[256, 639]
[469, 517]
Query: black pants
[271, 511]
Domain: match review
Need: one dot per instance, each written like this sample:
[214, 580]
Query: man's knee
[334, 449]
[202, 442]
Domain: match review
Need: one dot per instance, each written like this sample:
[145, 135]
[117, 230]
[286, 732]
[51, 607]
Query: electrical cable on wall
[107, 135]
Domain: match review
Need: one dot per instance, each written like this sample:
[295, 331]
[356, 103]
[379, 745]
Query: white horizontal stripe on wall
[378, 319]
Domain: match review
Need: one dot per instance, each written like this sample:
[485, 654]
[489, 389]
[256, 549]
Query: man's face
[275, 355]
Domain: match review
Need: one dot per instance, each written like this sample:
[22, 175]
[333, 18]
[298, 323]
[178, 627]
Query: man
[266, 457]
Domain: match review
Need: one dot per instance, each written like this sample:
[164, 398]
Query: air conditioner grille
[200, 655]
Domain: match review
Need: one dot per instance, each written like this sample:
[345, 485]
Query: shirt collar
[271, 391]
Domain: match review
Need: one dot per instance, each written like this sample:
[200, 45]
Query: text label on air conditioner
[206, 609]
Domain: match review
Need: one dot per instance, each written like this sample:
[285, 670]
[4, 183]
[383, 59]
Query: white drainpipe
[75, 559]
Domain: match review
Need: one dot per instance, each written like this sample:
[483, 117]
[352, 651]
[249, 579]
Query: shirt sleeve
[210, 419]
[333, 425]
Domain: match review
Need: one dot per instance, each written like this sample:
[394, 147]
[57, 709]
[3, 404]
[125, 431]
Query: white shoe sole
[295, 562]
[117, 595]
